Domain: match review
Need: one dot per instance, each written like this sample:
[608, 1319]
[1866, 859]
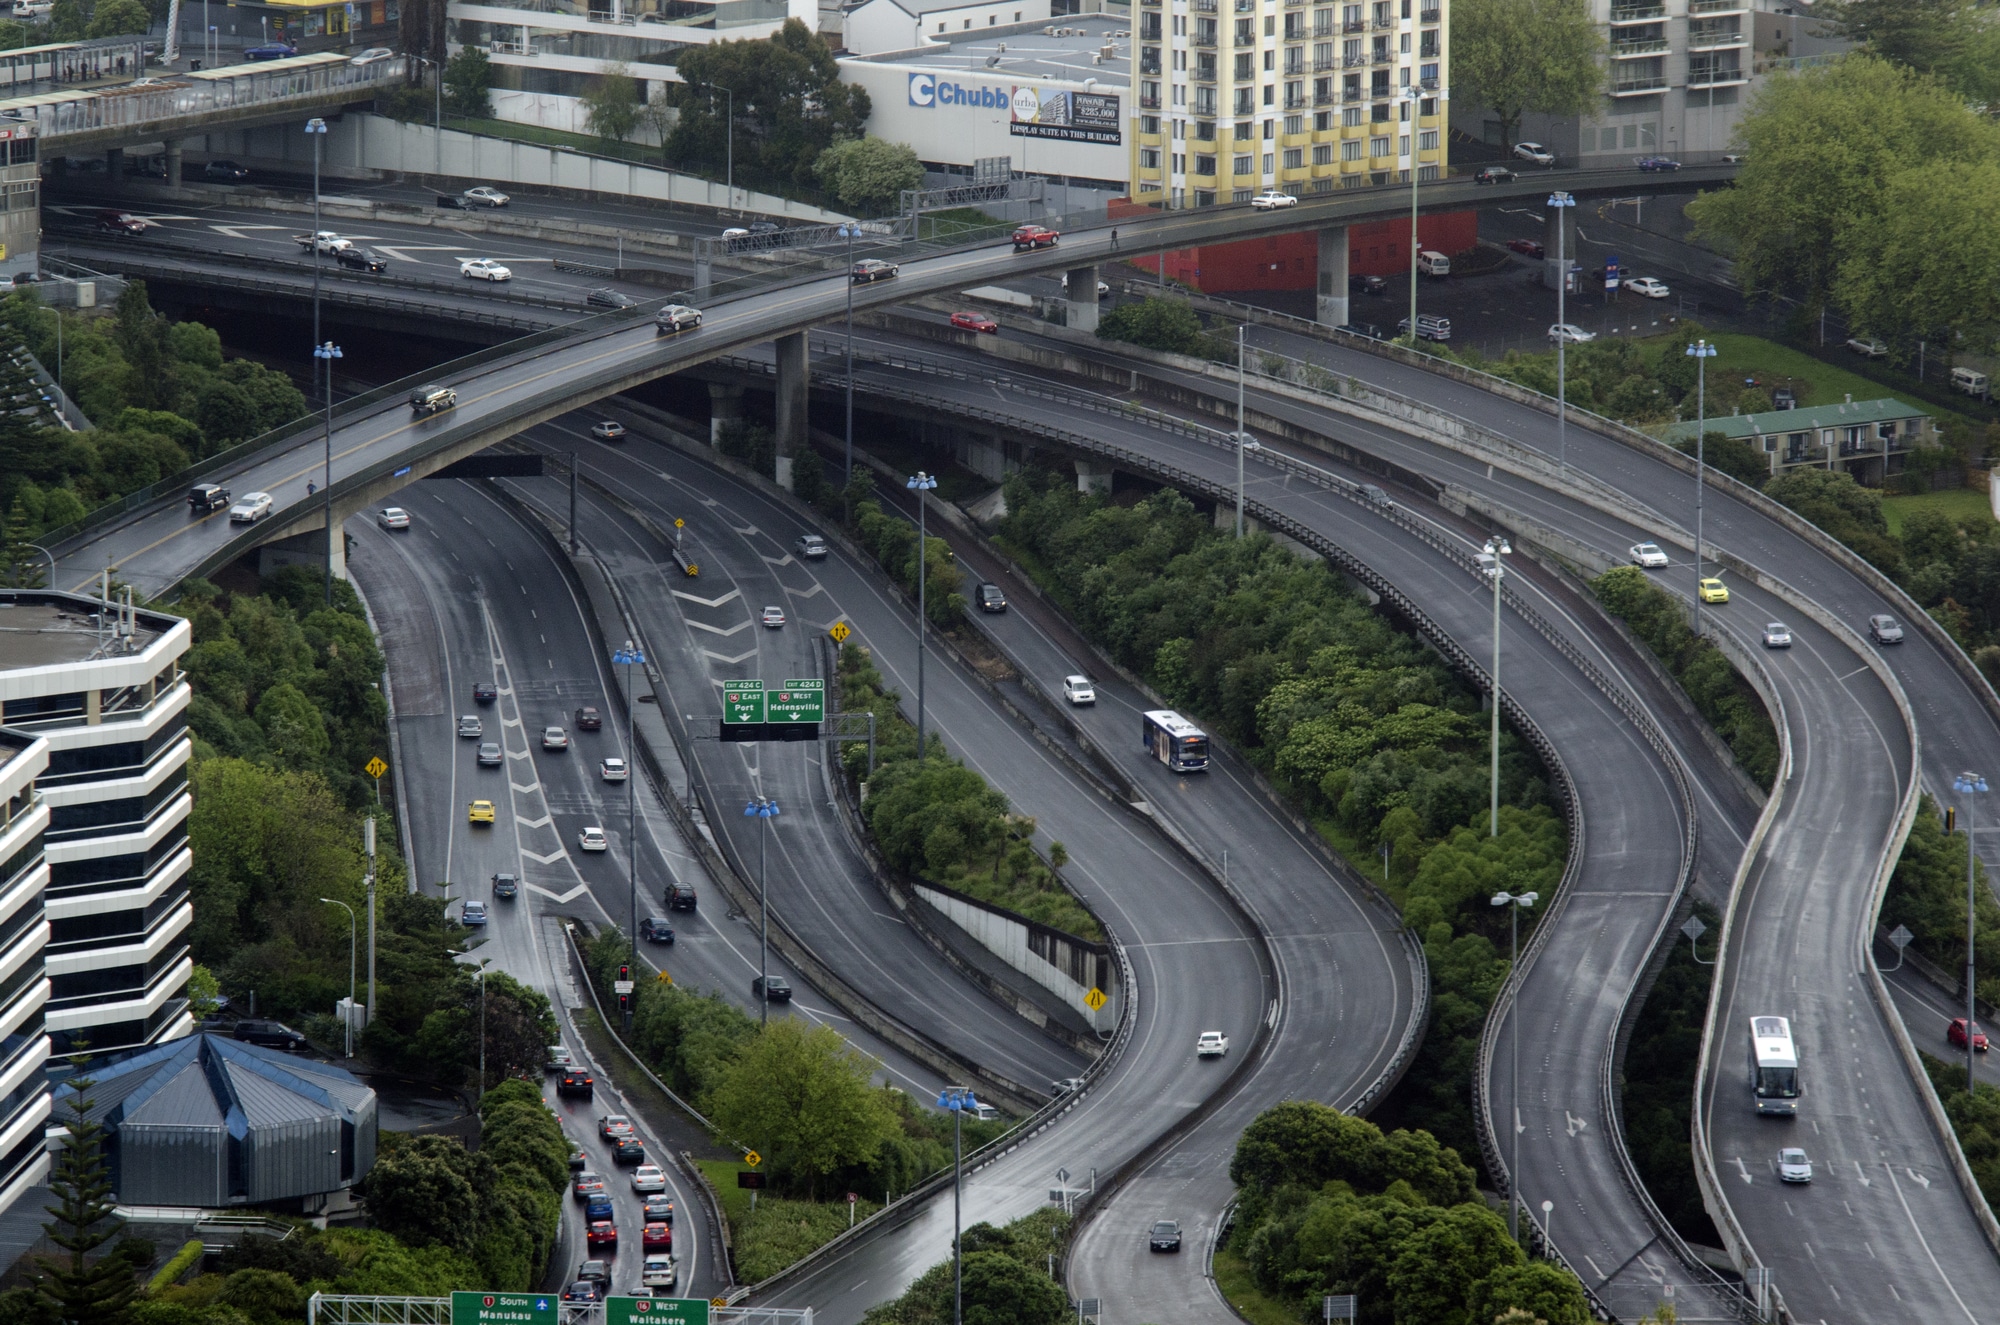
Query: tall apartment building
[24, 988]
[104, 692]
[1236, 96]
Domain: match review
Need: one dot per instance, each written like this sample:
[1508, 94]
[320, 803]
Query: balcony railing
[1382, 57]
[1717, 77]
[1633, 87]
[1297, 70]
[1432, 15]
[1149, 65]
[1639, 13]
[1149, 102]
[1204, 74]
[1205, 40]
[1719, 40]
[1626, 50]
[1204, 6]
[1296, 101]
[1354, 62]
[1718, 6]
[1323, 98]
[1385, 25]
[1353, 25]
[1323, 63]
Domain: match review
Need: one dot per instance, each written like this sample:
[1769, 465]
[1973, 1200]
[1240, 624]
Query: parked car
[483, 196]
[1035, 236]
[472, 914]
[974, 322]
[490, 754]
[250, 508]
[1494, 175]
[1868, 347]
[610, 430]
[1570, 332]
[1783, 397]
[680, 897]
[1272, 200]
[1367, 329]
[1536, 153]
[1429, 327]
[873, 269]
[361, 259]
[1646, 286]
[1885, 628]
[657, 929]
[1793, 1166]
[608, 298]
[776, 989]
[810, 546]
[506, 887]
[588, 719]
[613, 769]
[484, 269]
[1655, 163]
[224, 172]
[1777, 635]
[268, 1035]
[554, 738]
[1211, 1044]
[1954, 1035]
[1166, 1236]
[1367, 285]
[990, 598]
[773, 618]
[484, 692]
[470, 727]
[393, 517]
[677, 317]
[276, 50]
[592, 839]
[1648, 555]
[1079, 690]
[204, 498]
[431, 398]
[1527, 248]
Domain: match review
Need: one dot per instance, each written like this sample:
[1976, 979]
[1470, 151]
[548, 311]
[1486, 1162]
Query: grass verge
[779, 1231]
[1967, 505]
[1816, 381]
[1232, 1280]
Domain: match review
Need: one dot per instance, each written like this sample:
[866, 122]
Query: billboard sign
[1078, 117]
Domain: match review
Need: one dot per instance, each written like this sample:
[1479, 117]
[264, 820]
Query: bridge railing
[275, 84]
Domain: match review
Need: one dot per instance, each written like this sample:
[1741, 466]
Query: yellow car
[479, 812]
[1714, 591]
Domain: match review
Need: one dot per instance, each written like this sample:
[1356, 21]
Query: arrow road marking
[549, 859]
[707, 602]
[1575, 1123]
[532, 786]
[718, 630]
[807, 593]
[720, 657]
[785, 560]
[569, 896]
[1918, 1178]
[542, 822]
[1742, 1168]
[1863, 1174]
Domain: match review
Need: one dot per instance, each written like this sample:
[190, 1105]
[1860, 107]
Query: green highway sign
[742, 701]
[655, 1311]
[510, 1309]
[798, 701]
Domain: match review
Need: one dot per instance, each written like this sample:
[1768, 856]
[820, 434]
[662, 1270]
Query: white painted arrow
[718, 630]
[1862, 1174]
[1575, 1123]
[1743, 1168]
[722, 657]
[542, 822]
[1918, 1177]
[538, 857]
[785, 560]
[532, 786]
[569, 896]
[707, 602]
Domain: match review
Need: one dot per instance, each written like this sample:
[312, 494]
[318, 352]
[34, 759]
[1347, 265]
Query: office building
[24, 987]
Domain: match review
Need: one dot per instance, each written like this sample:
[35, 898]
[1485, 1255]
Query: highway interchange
[1811, 883]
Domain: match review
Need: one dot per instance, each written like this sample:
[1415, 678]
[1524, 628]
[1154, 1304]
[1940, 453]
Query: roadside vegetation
[1006, 1278]
[1975, 1118]
[1368, 732]
[1659, 1081]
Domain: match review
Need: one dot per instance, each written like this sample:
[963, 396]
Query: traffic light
[624, 989]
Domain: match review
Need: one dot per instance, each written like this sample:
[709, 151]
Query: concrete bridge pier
[1082, 298]
[725, 406]
[794, 380]
[1093, 476]
[173, 146]
[306, 549]
[114, 162]
[1331, 308]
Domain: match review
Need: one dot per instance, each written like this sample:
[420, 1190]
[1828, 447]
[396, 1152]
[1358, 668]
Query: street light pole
[762, 808]
[1410, 99]
[850, 232]
[1559, 201]
[1701, 352]
[921, 483]
[329, 352]
[957, 1099]
[1968, 785]
[629, 654]
[348, 1020]
[1514, 902]
[1241, 436]
[1496, 548]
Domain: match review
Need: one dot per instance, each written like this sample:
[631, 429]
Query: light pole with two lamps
[1515, 904]
[763, 809]
[347, 1050]
[1244, 441]
[958, 1099]
[1701, 352]
[1496, 548]
[1559, 202]
[329, 352]
[921, 483]
[1412, 97]
[850, 231]
[628, 654]
[480, 971]
[1968, 785]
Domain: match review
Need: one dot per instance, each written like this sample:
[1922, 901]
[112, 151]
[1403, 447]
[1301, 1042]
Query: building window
[1270, 94]
[1350, 117]
[1295, 158]
[1323, 154]
[1295, 124]
[1403, 145]
[1379, 113]
[1242, 165]
[1351, 150]
[1378, 147]
[1204, 165]
[1149, 158]
[1244, 133]
[1322, 121]
[1149, 124]
[1204, 131]
[1427, 141]
[1270, 61]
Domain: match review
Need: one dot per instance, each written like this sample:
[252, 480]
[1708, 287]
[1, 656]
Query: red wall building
[1291, 262]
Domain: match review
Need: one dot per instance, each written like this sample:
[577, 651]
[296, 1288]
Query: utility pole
[368, 843]
[1701, 352]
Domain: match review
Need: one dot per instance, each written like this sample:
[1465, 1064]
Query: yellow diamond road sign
[752, 1158]
[679, 523]
[1095, 998]
[376, 768]
[663, 978]
[840, 632]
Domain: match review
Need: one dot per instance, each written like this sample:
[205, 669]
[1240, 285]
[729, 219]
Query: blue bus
[1174, 741]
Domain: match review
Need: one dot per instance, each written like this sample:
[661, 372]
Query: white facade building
[560, 46]
[24, 985]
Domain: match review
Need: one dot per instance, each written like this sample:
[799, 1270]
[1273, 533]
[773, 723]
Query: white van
[1971, 381]
[1432, 263]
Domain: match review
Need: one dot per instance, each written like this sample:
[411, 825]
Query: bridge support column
[1559, 224]
[1093, 476]
[1331, 306]
[794, 378]
[1082, 298]
[173, 146]
[725, 406]
[306, 549]
[114, 162]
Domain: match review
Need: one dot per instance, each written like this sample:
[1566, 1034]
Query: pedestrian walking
[311, 487]
[1114, 239]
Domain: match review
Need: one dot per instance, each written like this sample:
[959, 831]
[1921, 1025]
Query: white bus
[1174, 741]
[1774, 1066]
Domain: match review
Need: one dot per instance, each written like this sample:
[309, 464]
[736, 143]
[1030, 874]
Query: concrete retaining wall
[1059, 962]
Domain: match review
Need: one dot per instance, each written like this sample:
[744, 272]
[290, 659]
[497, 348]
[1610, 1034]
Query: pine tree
[21, 565]
[83, 1291]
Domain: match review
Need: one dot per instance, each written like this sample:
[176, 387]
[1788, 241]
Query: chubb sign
[930, 90]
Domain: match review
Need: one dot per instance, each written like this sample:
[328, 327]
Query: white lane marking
[541, 859]
[1742, 1168]
[723, 657]
[1925, 1242]
[524, 790]
[559, 898]
[707, 602]
[542, 822]
[718, 630]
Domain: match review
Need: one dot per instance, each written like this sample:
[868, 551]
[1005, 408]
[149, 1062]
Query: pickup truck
[328, 242]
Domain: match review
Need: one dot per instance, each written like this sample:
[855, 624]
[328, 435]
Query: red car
[121, 223]
[1527, 247]
[1034, 236]
[603, 1233]
[1956, 1035]
[974, 322]
[656, 1236]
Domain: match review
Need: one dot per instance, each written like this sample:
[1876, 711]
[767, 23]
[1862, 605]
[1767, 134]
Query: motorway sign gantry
[801, 700]
[506, 1309]
[656, 1311]
[742, 703]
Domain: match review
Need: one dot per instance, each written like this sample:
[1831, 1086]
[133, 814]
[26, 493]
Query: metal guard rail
[176, 99]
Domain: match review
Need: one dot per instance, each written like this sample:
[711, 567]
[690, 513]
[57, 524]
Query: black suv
[991, 599]
[206, 497]
[775, 990]
[576, 1081]
[657, 929]
[680, 897]
[1367, 285]
[270, 1035]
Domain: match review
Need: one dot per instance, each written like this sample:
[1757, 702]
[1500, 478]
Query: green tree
[118, 18]
[1833, 500]
[21, 565]
[1001, 1290]
[83, 1291]
[1155, 324]
[1732, 455]
[611, 104]
[802, 1096]
[1539, 1291]
[1931, 269]
[1947, 39]
[428, 1190]
[790, 105]
[1519, 55]
[468, 83]
[204, 993]
[867, 174]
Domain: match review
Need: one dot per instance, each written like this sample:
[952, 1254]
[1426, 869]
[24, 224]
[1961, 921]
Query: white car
[484, 269]
[1079, 690]
[1777, 635]
[1793, 1166]
[810, 546]
[1647, 286]
[1648, 555]
[608, 431]
[252, 507]
[1569, 331]
[1211, 1044]
[592, 839]
[1536, 153]
[1271, 199]
[554, 738]
[677, 317]
[648, 1178]
[393, 517]
[484, 197]
[658, 1271]
[736, 232]
[614, 770]
[774, 617]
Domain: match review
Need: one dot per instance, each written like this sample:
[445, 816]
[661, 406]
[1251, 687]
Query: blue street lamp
[920, 483]
[958, 1099]
[1558, 201]
[329, 352]
[1701, 352]
[850, 231]
[627, 654]
[763, 809]
[1968, 785]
